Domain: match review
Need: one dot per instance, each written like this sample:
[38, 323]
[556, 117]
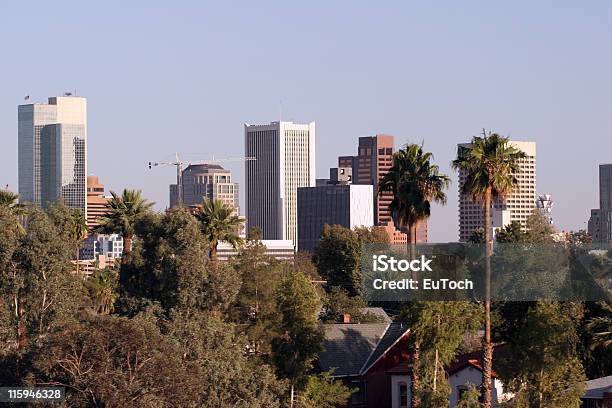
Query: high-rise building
[52, 142]
[600, 223]
[206, 181]
[374, 159]
[96, 201]
[515, 206]
[348, 205]
[284, 155]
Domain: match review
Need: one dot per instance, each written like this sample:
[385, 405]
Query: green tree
[112, 361]
[542, 368]
[489, 164]
[256, 303]
[123, 213]
[337, 303]
[321, 391]
[228, 377]
[439, 328]
[167, 266]
[218, 224]
[415, 183]
[539, 228]
[301, 335]
[337, 256]
[511, 233]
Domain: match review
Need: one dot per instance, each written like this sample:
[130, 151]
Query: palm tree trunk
[487, 358]
[127, 243]
[213, 257]
[415, 401]
[416, 358]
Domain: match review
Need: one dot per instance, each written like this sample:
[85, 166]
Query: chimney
[346, 318]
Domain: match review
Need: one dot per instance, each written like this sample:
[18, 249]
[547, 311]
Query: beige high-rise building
[285, 160]
[516, 206]
[52, 142]
[206, 181]
[96, 201]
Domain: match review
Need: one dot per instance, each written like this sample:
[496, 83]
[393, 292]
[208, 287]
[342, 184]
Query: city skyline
[524, 71]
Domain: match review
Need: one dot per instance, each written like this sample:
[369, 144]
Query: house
[598, 393]
[375, 358]
[361, 355]
[467, 370]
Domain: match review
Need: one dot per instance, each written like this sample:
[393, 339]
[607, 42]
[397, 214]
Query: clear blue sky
[174, 76]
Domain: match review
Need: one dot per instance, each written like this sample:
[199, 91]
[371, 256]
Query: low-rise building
[276, 248]
[348, 205]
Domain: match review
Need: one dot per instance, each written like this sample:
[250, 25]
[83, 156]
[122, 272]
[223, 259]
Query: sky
[184, 76]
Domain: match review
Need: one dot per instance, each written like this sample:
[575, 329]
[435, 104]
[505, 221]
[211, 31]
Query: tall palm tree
[218, 224]
[488, 165]
[78, 231]
[123, 212]
[415, 183]
[102, 289]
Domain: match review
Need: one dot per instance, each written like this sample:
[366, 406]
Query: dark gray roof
[351, 348]
[597, 387]
[393, 333]
[347, 346]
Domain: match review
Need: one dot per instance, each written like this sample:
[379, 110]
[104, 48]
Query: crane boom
[179, 163]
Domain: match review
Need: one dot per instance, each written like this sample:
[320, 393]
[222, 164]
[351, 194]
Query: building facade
[206, 181]
[348, 205]
[96, 201]
[516, 206]
[52, 141]
[284, 155]
[600, 223]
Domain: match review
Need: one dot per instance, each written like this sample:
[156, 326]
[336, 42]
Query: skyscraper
[374, 159]
[516, 206]
[600, 223]
[285, 160]
[209, 181]
[53, 152]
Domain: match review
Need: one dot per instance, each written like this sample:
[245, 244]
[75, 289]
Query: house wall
[378, 381]
[471, 375]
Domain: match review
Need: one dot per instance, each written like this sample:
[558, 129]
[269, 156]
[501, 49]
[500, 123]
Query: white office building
[284, 155]
[52, 150]
[516, 206]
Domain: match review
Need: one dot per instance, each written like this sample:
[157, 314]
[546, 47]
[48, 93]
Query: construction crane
[179, 163]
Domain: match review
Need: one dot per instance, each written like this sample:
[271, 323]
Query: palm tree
[78, 231]
[102, 288]
[488, 165]
[601, 326]
[415, 184]
[123, 212]
[217, 223]
[9, 200]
